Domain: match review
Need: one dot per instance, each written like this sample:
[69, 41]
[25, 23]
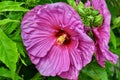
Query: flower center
[63, 38]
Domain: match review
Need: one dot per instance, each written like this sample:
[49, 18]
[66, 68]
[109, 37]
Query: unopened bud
[95, 12]
[98, 20]
[81, 9]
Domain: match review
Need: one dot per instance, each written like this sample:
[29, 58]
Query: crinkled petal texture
[41, 28]
[102, 34]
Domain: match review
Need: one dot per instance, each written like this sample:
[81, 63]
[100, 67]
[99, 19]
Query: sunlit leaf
[6, 73]
[8, 52]
[8, 25]
[11, 6]
[5, 21]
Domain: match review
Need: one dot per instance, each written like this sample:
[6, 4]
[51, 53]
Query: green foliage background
[16, 65]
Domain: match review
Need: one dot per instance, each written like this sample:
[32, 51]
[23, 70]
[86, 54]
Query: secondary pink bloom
[54, 37]
[102, 33]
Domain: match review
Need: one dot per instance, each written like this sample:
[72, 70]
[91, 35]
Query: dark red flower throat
[63, 38]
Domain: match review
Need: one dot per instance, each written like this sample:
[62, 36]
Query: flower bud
[90, 16]
[81, 12]
[81, 9]
[98, 20]
[95, 12]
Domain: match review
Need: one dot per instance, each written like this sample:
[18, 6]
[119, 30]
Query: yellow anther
[61, 38]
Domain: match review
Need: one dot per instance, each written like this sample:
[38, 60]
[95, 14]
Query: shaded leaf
[37, 76]
[113, 7]
[16, 37]
[113, 39]
[116, 51]
[94, 71]
[116, 23]
[55, 78]
[119, 75]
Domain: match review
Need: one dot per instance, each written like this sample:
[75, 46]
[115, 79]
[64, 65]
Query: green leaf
[113, 7]
[6, 73]
[16, 37]
[4, 3]
[116, 23]
[11, 6]
[8, 25]
[113, 39]
[55, 78]
[116, 51]
[15, 15]
[5, 21]
[72, 3]
[8, 52]
[95, 71]
[118, 41]
[119, 75]
[37, 76]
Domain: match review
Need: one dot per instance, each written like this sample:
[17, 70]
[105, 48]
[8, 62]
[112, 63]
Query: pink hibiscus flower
[102, 33]
[54, 37]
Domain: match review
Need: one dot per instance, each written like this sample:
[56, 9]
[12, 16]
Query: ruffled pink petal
[80, 53]
[40, 47]
[37, 38]
[71, 74]
[87, 4]
[61, 15]
[102, 50]
[104, 30]
[35, 60]
[85, 47]
[75, 55]
[56, 62]
[38, 41]
[102, 34]
[106, 55]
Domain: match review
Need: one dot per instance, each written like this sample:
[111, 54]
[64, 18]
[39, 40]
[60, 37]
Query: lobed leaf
[113, 39]
[6, 73]
[5, 21]
[96, 72]
[8, 25]
[116, 23]
[11, 6]
[8, 52]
